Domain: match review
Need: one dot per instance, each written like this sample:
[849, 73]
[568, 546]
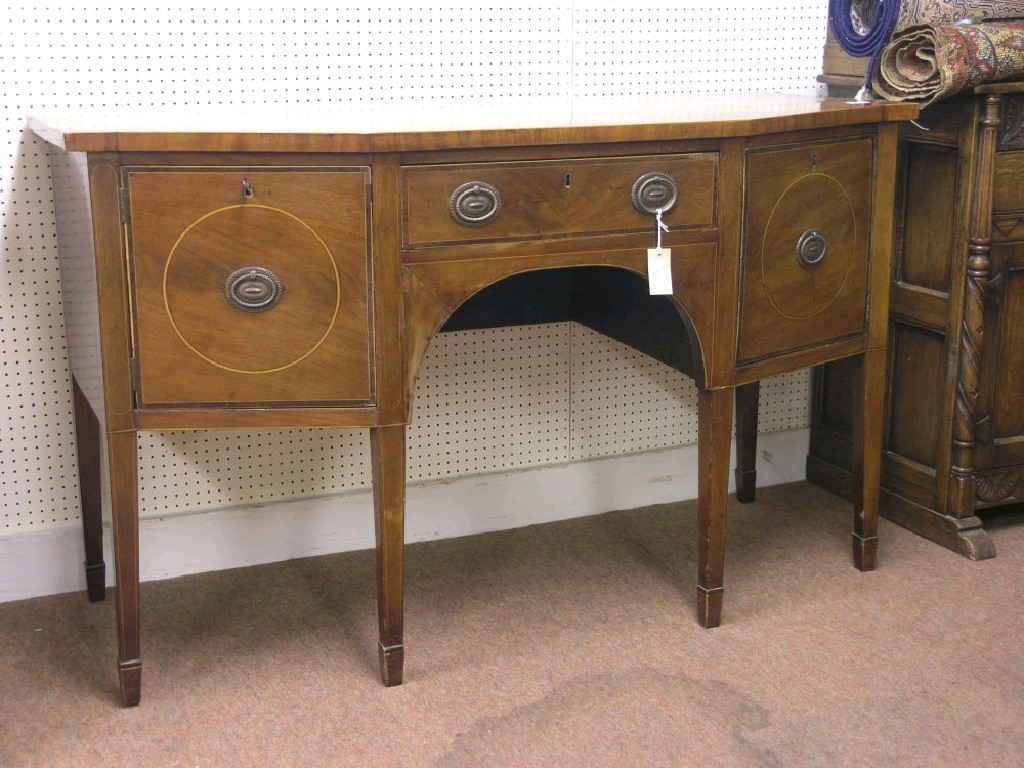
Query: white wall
[562, 401]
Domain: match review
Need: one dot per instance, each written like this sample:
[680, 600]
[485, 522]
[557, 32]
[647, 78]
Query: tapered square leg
[747, 397]
[714, 427]
[868, 420]
[387, 452]
[87, 440]
[122, 447]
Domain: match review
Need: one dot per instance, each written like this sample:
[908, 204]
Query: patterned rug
[928, 62]
[917, 50]
[864, 15]
[947, 12]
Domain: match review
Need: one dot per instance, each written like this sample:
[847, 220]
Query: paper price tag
[659, 270]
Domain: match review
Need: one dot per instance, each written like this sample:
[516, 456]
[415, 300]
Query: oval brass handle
[811, 248]
[475, 204]
[253, 289]
[654, 191]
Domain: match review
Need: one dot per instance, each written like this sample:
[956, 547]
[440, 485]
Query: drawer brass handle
[253, 289]
[811, 248]
[475, 204]
[654, 191]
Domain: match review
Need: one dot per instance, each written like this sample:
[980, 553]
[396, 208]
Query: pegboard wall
[537, 394]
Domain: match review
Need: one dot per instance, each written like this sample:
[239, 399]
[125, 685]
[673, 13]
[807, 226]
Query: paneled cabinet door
[1001, 403]
[250, 286]
[806, 247]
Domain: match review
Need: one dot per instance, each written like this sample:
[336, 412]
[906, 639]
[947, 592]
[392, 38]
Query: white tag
[659, 270]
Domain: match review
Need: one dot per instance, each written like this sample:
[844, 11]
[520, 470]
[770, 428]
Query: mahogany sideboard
[220, 277]
[954, 441]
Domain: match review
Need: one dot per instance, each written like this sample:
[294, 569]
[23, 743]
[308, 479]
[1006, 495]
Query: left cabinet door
[250, 286]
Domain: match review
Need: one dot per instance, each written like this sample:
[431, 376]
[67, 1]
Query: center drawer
[486, 202]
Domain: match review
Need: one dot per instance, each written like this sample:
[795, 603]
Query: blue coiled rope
[870, 41]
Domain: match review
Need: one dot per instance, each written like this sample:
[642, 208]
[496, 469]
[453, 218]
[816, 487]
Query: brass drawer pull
[475, 204]
[253, 289]
[811, 248]
[654, 191]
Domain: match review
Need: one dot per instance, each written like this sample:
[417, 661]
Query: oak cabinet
[954, 437]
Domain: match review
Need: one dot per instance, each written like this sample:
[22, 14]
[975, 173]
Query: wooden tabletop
[412, 127]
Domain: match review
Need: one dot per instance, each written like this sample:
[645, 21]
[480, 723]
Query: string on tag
[662, 227]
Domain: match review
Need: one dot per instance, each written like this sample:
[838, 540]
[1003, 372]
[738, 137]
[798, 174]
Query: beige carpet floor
[566, 644]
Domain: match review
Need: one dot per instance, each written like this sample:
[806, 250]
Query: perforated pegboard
[696, 47]
[71, 57]
[498, 398]
[615, 385]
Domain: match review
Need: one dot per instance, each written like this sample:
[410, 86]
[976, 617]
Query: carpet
[927, 62]
[946, 12]
[926, 50]
[570, 644]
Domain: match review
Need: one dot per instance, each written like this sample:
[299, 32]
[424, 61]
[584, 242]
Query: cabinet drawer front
[555, 198]
[1008, 185]
[805, 257]
[250, 285]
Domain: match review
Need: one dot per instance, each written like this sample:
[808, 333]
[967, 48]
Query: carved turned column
[979, 247]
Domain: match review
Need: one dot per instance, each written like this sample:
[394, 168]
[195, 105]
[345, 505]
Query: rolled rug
[927, 62]
[950, 12]
[864, 28]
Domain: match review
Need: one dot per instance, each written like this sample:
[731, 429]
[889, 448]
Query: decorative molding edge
[48, 562]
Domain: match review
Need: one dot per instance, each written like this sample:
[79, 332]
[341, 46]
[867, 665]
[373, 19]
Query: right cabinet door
[805, 246]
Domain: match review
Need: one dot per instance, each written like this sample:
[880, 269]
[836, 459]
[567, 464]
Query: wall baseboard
[49, 562]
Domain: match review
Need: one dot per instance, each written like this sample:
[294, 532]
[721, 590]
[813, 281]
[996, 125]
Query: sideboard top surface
[413, 128]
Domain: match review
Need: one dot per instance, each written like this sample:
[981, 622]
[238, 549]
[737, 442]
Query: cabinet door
[806, 246]
[1000, 426]
[1000, 430]
[250, 286]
